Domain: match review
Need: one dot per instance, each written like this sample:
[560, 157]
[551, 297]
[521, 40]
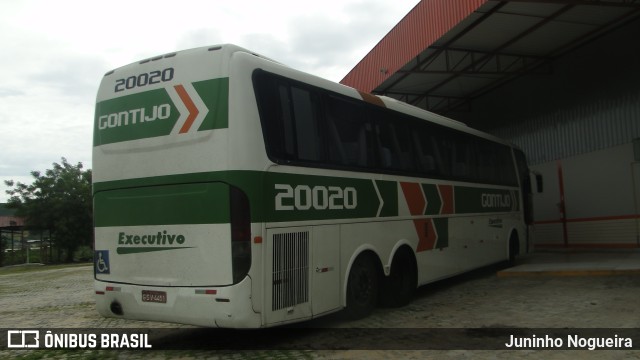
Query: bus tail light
[206, 291]
[240, 218]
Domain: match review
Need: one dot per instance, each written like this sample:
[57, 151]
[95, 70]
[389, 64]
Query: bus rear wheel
[401, 283]
[362, 288]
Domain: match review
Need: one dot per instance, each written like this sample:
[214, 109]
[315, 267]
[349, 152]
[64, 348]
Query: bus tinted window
[505, 170]
[428, 159]
[315, 127]
[287, 139]
[396, 143]
[306, 125]
[349, 134]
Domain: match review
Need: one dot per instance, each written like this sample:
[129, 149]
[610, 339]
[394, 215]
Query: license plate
[154, 296]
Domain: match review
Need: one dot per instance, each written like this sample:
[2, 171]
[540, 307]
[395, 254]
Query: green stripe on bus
[203, 198]
[215, 95]
[484, 200]
[442, 229]
[434, 202]
[121, 250]
[148, 201]
[389, 193]
[198, 203]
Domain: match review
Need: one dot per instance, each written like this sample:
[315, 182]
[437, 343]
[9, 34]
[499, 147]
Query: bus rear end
[172, 234]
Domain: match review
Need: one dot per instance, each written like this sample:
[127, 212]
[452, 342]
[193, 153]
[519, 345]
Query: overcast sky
[54, 54]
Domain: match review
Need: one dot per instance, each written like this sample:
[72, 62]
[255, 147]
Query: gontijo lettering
[496, 200]
[135, 116]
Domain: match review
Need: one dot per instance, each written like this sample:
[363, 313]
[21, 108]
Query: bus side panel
[205, 249]
[326, 269]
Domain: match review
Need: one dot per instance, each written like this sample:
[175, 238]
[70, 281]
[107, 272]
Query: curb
[609, 272]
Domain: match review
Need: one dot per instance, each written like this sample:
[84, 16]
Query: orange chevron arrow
[427, 234]
[426, 231]
[191, 107]
[446, 195]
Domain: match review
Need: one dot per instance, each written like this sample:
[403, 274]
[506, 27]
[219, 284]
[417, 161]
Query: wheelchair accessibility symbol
[102, 262]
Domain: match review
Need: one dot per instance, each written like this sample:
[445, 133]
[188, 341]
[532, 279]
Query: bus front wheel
[362, 288]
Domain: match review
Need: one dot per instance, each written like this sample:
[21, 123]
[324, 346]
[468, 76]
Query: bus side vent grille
[290, 269]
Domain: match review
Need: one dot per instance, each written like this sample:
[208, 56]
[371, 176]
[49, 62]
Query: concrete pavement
[576, 263]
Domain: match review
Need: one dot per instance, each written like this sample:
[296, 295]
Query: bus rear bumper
[228, 307]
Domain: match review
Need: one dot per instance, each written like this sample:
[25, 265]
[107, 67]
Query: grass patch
[61, 354]
[19, 269]
[95, 354]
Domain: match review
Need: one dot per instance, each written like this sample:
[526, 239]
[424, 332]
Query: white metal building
[561, 79]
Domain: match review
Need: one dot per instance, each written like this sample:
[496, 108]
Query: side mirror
[539, 183]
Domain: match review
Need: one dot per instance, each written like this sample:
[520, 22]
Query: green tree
[60, 201]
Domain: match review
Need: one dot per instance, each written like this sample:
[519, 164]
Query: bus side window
[426, 150]
[506, 170]
[289, 117]
[336, 152]
[460, 158]
[307, 133]
[396, 150]
[286, 120]
[443, 148]
[349, 133]
[274, 105]
[487, 162]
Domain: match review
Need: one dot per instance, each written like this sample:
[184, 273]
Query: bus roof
[393, 104]
[228, 49]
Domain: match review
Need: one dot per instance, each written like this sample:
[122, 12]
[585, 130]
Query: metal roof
[460, 50]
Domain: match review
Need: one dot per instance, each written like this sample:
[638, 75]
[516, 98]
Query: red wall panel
[421, 27]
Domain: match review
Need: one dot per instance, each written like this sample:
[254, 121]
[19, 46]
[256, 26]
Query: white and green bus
[232, 191]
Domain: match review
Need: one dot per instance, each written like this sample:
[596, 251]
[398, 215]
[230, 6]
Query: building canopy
[444, 54]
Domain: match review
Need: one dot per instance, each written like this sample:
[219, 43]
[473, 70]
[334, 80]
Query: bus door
[325, 269]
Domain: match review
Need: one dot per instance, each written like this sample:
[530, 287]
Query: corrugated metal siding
[593, 232]
[610, 231]
[421, 27]
[586, 127]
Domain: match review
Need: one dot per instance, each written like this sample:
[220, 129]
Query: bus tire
[402, 281]
[362, 288]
